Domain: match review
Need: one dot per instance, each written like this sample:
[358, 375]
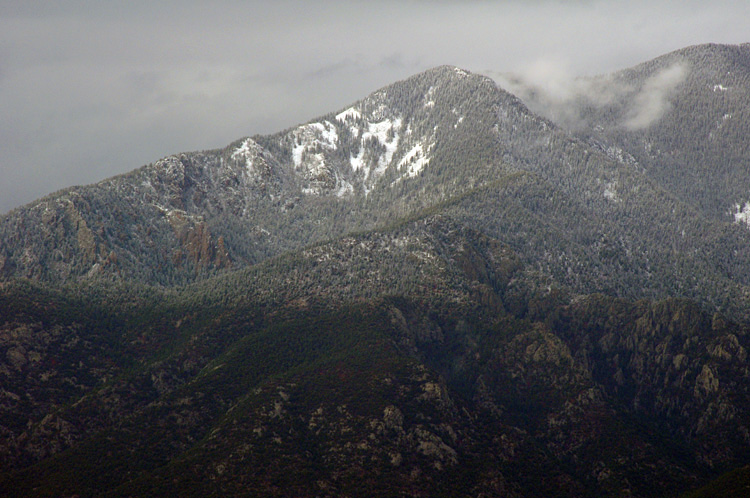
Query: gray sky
[90, 89]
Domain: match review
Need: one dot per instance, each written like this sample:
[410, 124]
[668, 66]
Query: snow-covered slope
[586, 210]
[192, 213]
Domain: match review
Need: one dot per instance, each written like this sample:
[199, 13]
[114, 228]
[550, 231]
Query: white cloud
[650, 104]
[549, 88]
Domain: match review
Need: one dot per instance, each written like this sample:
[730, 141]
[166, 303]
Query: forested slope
[434, 291]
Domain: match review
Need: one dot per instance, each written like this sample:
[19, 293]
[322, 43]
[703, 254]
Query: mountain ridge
[434, 291]
[404, 148]
[222, 169]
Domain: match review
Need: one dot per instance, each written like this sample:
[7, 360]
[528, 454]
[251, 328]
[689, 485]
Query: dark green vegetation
[434, 293]
[734, 484]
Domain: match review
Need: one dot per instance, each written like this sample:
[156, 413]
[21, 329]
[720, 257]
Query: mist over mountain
[449, 287]
[680, 116]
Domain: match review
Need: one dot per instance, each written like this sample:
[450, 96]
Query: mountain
[429, 139]
[681, 117]
[434, 291]
[188, 215]
[696, 151]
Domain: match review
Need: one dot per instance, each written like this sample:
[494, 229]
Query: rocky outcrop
[196, 245]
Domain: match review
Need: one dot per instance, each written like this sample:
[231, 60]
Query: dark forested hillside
[434, 291]
[446, 371]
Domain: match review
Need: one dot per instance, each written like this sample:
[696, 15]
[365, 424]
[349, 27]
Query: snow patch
[719, 125]
[309, 137]
[311, 143]
[248, 151]
[610, 192]
[297, 154]
[315, 165]
[742, 213]
[345, 188]
[460, 72]
[350, 114]
[358, 161]
[381, 112]
[615, 153]
[415, 160]
[429, 101]
[328, 133]
[386, 132]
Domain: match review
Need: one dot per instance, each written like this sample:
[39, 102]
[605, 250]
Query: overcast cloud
[93, 89]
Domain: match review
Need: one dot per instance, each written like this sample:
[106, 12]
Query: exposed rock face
[196, 244]
[706, 383]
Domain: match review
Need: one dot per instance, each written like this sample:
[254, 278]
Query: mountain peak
[431, 291]
[451, 71]
[705, 58]
[446, 73]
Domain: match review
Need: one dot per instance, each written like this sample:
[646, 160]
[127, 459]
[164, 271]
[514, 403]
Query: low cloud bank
[653, 99]
[548, 88]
